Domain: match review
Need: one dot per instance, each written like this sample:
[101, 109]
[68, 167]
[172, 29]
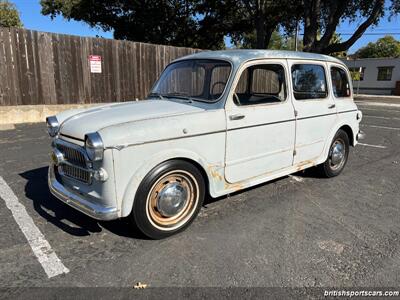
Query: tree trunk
[312, 9]
[260, 33]
[339, 47]
[337, 9]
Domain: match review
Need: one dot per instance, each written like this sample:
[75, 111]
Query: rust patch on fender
[214, 173]
[234, 186]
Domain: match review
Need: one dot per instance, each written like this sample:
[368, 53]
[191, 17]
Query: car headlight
[94, 146]
[52, 125]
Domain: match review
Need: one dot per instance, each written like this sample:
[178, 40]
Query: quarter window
[260, 84]
[309, 81]
[219, 77]
[385, 73]
[340, 83]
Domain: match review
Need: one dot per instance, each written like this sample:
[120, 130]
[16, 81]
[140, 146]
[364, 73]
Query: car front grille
[73, 156]
[75, 165]
[76, 173]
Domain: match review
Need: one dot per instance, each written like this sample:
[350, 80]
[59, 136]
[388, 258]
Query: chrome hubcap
[172, 199]
[337, 154]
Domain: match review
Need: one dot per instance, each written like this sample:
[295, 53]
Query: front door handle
[332, 106]
[236, 117]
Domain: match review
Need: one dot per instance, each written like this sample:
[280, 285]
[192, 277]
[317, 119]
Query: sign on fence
[95, 63]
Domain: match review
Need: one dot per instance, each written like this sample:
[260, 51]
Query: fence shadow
[66, 218]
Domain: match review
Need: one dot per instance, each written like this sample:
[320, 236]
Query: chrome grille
[75, 165]
[72, 155]
[76, 173]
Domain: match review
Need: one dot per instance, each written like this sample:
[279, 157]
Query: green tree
[336, 38]
[191, 23]
[9, 16]
[325, 16]
[387, 46]
[278, 41]
[170, 22]
[249, 23]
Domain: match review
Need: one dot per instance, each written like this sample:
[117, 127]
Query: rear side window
[340, 83]
[309, 81]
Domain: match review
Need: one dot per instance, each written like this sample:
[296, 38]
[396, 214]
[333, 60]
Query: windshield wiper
[182, 96]
[156, 95]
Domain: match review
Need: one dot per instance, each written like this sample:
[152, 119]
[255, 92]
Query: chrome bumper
[361, 135]
[78, 202]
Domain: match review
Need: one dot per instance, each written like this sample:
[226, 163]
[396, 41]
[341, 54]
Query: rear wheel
[337, 156]
[168, 199]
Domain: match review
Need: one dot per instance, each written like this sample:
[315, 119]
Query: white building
[378, 75]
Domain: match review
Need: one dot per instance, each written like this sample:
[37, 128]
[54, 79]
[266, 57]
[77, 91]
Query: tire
[168, 199]
[335, 164]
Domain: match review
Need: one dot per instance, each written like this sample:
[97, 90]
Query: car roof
[239, 56]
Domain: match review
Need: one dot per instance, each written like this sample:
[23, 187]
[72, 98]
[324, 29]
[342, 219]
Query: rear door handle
[332, 106]
[236, 117]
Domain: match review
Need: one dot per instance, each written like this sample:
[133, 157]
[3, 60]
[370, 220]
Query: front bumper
[80, 202]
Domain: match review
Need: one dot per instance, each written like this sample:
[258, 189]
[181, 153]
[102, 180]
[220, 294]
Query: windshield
[195, 79]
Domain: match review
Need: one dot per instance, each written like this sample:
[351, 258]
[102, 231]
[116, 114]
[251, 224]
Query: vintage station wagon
[214, 123]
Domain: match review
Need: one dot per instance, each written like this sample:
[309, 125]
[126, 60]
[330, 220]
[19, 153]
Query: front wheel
[337, 156]
[168, 199]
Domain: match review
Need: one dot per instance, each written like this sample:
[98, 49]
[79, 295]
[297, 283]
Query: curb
[11, 115]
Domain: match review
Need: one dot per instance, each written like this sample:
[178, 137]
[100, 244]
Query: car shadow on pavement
[312, 172]
[66, 218]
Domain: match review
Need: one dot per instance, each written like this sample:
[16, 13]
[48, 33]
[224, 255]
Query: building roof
[239, 56]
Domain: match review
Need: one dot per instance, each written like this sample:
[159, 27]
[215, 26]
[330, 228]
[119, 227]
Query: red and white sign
[95, 63]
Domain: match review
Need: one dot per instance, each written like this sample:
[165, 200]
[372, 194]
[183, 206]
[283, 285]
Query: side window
[261, 84]
[309, 81]
[340, 82]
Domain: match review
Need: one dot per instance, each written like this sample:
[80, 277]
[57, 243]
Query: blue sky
[33, 19]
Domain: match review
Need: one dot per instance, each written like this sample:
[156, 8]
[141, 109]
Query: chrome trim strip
[96, 211]
[120, 147]
[72, 137]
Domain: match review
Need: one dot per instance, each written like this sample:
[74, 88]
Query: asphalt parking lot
[294, 231]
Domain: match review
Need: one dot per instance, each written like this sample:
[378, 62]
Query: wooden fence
[47, 68]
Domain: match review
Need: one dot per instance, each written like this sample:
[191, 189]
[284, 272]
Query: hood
[95, 119]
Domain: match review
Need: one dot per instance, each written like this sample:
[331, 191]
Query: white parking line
[378, 104]
[380, 117]
[382, 127]
[51, 264]
[385, 110]
[374, 146]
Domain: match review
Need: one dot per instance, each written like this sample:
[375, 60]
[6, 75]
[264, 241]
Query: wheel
[337, 156]
[168, 199]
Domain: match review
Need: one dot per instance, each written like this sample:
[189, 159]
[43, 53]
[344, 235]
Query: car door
[260, 121]
[315, 109]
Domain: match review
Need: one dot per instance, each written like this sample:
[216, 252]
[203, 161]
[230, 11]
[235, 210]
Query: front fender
[151, 162]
